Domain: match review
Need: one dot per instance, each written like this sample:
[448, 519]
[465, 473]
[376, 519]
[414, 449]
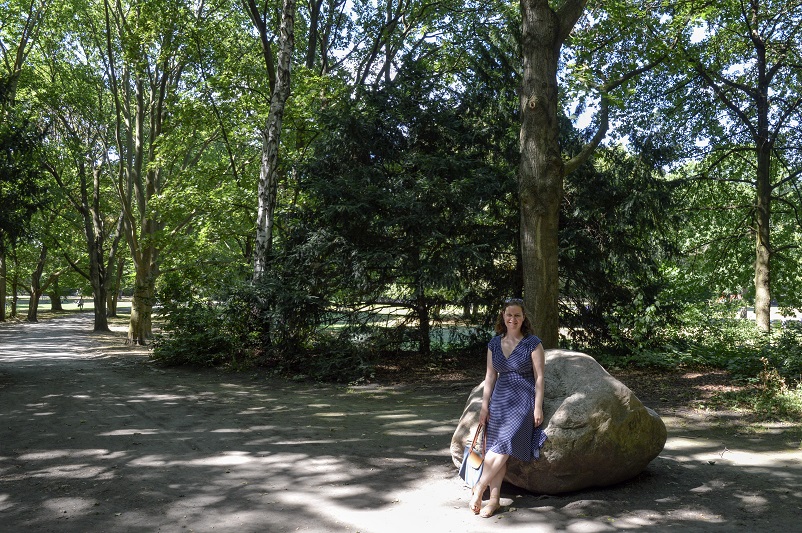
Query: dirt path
[95, 439]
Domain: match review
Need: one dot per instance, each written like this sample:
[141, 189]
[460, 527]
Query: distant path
[98, 439]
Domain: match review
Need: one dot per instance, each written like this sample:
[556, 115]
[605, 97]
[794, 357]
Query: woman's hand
[538, 416]
[483, 416]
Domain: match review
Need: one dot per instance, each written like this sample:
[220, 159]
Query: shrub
[267, 325]
[193, 334]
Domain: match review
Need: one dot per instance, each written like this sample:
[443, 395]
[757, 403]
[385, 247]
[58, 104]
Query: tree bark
[314, 31]
[14, 285]
[114, 288]
[95, 239]
[541, 169]
[763, 232]
[55, 296]
[764, 147]
[87, 204]
[3, 284]
[36, 286]
[140, 325]
[268, 174]
[141, 98]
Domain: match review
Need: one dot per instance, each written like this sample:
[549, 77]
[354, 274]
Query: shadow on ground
[97, 442]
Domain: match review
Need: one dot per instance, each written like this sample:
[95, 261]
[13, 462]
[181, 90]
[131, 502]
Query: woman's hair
[526, 326]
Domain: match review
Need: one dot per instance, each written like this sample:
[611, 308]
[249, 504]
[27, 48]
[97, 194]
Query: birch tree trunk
[269, 171]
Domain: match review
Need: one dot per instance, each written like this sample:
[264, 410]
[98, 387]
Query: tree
[403, 204]
[542, 167]
[736, 86]
[145, 53]
[618, 228]
[279, 78]
[328, 25]
[19, 31]
[38, 286]
[75, 99]
[21, 188]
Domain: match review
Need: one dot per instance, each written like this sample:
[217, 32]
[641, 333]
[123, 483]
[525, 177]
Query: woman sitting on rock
[512, 403]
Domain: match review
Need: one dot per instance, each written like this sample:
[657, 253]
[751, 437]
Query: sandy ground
[95, 438]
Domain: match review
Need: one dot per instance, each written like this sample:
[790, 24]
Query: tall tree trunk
[142, 99]
[114, 267]
[15, 285]
[93, 226]
[314, 31]
[114, 289]
[540, 173]
[3, 285]
[36, 286]
[422, 310]
[268, 174]
[764, 147]
[55, 296]
[87, 203]
[762, 242]
[146, 266]
[425, 327]
[140, 325]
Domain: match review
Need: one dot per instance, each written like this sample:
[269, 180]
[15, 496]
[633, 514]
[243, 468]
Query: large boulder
[599, 433]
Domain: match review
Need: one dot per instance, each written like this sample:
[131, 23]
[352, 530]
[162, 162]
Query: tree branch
[604, 116]
[567, 16]
[259, 21]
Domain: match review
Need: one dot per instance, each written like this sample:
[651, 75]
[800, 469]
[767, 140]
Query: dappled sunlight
[61, 505]
[407, 423]
[72, 471]
[59, 454]
[121, 432]
[682, 443]
[96, 446]
[156, 398]
[406, 433]
[392, 416]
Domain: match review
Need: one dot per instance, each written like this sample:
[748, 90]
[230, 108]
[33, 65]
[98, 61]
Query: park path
[95, 438]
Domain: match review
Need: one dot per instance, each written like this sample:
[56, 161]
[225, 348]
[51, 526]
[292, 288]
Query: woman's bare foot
[476, 498]
[491, 508]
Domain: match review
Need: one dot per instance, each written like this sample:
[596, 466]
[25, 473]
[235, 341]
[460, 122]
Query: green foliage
[193, 333]
[404, 204]
[278, 325]
[769, 396]
[617, 228]
[709, 335]
[21, 188]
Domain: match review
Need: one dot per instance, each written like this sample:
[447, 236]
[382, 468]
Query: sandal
[490, 509]
[475, 504]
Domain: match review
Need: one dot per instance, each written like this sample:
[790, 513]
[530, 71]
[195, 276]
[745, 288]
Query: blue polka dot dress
[510, 428]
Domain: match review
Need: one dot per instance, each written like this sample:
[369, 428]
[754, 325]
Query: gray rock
[599, 433]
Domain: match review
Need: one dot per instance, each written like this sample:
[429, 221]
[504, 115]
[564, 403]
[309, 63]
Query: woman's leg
[494, 464]
[495, 493]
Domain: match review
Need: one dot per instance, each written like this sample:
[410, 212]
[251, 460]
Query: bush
[194, 334]
[267, 325]
[711, 338]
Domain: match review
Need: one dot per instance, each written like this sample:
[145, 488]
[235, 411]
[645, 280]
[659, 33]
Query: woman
[512, 403]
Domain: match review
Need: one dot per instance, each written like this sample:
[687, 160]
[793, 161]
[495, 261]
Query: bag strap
[481, 428]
